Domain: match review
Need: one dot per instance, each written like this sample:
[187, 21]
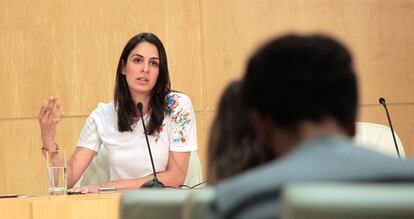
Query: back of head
[296, 78]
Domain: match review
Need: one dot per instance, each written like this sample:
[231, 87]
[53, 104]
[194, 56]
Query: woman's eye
[155, 64]
[137, 60]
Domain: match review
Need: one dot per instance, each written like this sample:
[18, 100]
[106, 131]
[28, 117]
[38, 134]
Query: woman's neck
[144, 99]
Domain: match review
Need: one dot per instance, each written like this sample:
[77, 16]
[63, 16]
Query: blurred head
[232, 146]
[143, 69]
[293, 79]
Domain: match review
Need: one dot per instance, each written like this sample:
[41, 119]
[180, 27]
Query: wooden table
[100, 206]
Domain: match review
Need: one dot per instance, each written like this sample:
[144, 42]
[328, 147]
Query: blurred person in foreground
[232, 146]
[301, 95]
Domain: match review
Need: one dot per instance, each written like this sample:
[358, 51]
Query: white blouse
[128, 153]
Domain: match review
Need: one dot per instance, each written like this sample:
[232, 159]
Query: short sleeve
[182, 124]
[89, 137]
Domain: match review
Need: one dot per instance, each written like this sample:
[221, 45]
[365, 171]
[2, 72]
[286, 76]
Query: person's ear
[263, 128]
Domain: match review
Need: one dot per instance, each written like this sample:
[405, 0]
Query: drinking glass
[56, 172]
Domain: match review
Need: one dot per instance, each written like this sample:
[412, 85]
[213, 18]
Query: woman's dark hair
[127, 113]
[232, 145]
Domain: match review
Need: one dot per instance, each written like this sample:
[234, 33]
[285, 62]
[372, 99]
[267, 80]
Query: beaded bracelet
[56, 150]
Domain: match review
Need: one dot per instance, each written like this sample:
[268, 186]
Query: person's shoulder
[177, 100]
[247, 191]
[104, 108]
[178, 96]
[103, 105]
[251, 180]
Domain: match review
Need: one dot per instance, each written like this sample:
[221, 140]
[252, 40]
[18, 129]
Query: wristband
[55, 150]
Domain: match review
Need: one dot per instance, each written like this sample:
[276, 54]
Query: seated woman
[232, 146]
[142, 77]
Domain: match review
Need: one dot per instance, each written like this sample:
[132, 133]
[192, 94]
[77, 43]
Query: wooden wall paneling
[233, 30]
[21, 157]
[24, 168]
[377, 32]
[383, 45]
[21, 160]
[183, 45]
[71, 50]
[25, 57]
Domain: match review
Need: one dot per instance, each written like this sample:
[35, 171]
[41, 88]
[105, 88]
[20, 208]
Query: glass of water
[56, 172]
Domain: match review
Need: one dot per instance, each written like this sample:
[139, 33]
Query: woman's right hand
[49, 116]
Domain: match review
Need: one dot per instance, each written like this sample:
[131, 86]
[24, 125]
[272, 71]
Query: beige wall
[70, 49]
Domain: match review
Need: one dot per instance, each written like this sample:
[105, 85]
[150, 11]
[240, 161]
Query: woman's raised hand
[49, 115]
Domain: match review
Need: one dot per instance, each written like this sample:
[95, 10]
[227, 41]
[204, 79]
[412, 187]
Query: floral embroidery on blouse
[179, 117]
[158, 132]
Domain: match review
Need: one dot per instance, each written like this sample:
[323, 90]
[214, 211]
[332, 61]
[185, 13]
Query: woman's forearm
[77, 164]
[168, 178]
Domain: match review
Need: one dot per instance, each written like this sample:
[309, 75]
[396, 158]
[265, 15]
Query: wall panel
[22, 165]
[71, 49]
[378, 32]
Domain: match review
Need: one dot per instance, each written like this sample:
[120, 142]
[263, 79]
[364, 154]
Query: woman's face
[142, 68]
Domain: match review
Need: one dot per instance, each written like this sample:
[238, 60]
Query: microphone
[154, 183]
[381, 100]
